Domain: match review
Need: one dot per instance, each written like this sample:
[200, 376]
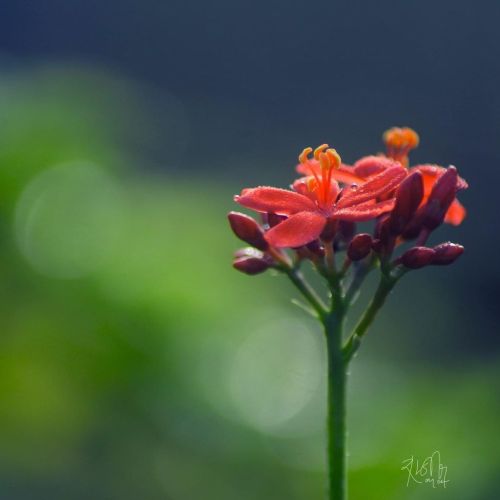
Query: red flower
[399, 142]
[318, 198]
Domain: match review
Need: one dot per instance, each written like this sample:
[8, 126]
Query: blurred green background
[134, 362]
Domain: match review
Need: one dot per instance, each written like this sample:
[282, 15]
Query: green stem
[337, 379]
[384, 288]
[307, 291]
[361, 270]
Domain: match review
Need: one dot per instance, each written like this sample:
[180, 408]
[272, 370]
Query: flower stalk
[336, 409]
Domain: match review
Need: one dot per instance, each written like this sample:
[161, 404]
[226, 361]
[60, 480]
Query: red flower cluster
[324, 204]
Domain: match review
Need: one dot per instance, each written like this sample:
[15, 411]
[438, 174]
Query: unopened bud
[440, 199]
[248, 252]
[446, 253]
[414, 227]
[417, 257]
[381, 230]
[251, 261]
[247, 230]
[408, 198]
[378, 245]
[316, 248]
[274, 219]
[360, 246]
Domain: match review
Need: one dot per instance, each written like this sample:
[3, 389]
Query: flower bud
[360, 246]
[414, 227]
[381, 231]
[408, 198]
[248, 252]
[274, 219]
[251, 261]
[440, 199]
[316, 248]
[378, 245]
[417, 257]
[247, 230]
[446, 253]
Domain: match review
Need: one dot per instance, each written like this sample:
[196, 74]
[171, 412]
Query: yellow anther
[319, 150]
[334, 158]
[304, 156]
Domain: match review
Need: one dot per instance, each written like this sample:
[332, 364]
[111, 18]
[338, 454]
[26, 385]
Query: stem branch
[308, 292]
[384, 288]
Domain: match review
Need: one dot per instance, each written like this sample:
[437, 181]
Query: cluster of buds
[254, 259]
[414, 218]
[317, 218]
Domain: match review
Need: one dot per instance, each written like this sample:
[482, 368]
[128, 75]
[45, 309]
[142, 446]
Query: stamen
[324, 161]
[304, 156]
[319, 150]
[311, 184]
[334, 158]
[399, 142]
[326, 170]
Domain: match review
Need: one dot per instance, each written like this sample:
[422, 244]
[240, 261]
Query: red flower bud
[408, 198]
[417, 257]
[251, 261]
[442, 195]
[378, 245]
[360, 246]
[247, 230]
[414, 227]
[274, 219]
[382, 232]
[316, 248]
[446, 253]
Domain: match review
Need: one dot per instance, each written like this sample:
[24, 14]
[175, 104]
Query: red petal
[455, 214]
[274, 200]
[364, 211]
[377, 186]
[346, 175]
[300, 186]
[432, 172]
[298, 230]
[372, 165]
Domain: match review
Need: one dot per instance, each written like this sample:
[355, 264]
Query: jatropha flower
[399, 142]
[316, 221]
[318, 200]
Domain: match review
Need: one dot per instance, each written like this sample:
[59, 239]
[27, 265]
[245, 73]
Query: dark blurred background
[134, 362]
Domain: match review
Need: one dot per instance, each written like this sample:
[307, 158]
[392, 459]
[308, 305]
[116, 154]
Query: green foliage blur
[136, 364]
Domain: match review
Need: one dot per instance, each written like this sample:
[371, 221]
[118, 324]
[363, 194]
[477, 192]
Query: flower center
[399, 142]
[320, 182]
